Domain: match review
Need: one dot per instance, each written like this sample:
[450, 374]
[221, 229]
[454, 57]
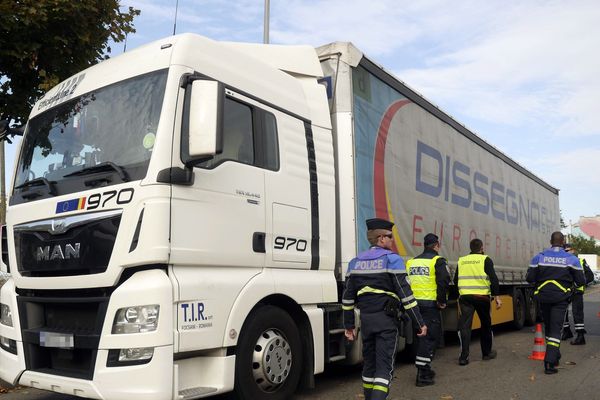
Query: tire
[531, 309]
[269, 358]
[409, 353]
[519, 309]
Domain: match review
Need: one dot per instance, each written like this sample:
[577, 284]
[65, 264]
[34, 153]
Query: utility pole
[175, 22]
[266, 23]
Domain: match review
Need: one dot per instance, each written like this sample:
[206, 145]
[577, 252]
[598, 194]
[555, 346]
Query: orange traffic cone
[539, 345]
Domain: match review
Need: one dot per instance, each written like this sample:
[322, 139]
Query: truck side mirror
[205, 135]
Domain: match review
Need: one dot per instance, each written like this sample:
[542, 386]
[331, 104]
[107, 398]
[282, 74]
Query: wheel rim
[271, 360]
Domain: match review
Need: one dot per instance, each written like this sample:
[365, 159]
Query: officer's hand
[350, 334]
[422, 331]
[498, 302]
[441, 306]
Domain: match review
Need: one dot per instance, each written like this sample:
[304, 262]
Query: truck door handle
[258, 242]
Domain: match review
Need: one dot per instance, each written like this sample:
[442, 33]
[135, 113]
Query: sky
[524, 76]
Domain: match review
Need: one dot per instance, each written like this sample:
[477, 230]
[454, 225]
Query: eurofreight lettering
[492, 197]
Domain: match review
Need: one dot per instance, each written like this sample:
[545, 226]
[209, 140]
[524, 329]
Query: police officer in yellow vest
[429, 280]
[577, 304]
[477, 284]
[376, 284]
[553, 272]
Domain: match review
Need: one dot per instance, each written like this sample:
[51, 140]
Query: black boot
[549, 368]
[579, 340]
[566, 333]
[425, 377]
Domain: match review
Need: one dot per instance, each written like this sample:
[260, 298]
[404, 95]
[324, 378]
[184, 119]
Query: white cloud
[576, 166]
[535, 66]
[575, 172]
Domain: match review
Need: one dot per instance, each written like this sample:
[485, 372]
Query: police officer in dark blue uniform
[555, 273]
[376, 284]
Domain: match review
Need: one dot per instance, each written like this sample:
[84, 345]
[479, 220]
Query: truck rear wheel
[531, 308]
[268, 356]
[409, 353]
[519, 309]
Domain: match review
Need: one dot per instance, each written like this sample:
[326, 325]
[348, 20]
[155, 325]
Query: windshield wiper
[38, 182]
[106, 166]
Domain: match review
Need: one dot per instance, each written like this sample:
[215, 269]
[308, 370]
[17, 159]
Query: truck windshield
[102, 137]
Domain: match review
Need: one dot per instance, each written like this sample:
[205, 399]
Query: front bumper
[33, 366]
[149, 381]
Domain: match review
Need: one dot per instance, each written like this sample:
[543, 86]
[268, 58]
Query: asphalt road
[511, 376]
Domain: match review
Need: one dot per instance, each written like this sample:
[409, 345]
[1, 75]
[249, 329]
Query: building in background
[588, 227]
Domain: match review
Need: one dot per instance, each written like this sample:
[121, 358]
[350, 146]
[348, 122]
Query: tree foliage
[563, 225]
[584, 246]
[43, 42]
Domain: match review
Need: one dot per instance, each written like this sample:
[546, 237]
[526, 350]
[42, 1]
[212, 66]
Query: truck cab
[167, 206]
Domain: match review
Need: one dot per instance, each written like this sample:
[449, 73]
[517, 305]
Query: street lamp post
[266, 23]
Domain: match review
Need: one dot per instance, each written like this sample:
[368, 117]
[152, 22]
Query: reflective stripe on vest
[472, 278]
[421, 272]
[581, 288]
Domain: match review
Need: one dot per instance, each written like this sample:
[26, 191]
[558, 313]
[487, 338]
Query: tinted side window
[238, 138]
[269, 145]
[249, 137]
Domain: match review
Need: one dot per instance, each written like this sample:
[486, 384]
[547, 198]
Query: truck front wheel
[268, 356]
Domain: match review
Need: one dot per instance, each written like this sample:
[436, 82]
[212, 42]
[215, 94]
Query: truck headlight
[136, 319]
[5, 315]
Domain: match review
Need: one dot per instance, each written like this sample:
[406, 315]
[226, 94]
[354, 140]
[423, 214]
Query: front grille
[67, 246]
[81, 317]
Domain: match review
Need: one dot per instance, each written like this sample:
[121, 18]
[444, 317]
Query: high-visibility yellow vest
[581, 288]
[472, 278]
[421, 272]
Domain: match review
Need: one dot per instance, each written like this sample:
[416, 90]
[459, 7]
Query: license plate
[54, 339]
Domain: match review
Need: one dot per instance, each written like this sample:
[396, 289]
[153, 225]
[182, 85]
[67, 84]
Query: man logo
[70, 251]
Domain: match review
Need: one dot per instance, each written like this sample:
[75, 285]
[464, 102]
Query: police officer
[429, 280]
[553, 272]
[477, 283]
[376, 284]
[577, 304]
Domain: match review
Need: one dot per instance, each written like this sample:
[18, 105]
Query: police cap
[379, 223]
[430, 239]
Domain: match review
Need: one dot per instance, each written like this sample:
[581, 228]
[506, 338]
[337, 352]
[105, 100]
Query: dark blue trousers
[379, 335]
[554, 315]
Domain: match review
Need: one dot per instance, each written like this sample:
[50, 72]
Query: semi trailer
[182, 216]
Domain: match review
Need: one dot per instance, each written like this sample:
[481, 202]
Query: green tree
[584, 246]
[43, 42]
[563, 225]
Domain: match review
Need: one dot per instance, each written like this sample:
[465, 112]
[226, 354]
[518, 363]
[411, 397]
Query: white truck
[182, 216]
